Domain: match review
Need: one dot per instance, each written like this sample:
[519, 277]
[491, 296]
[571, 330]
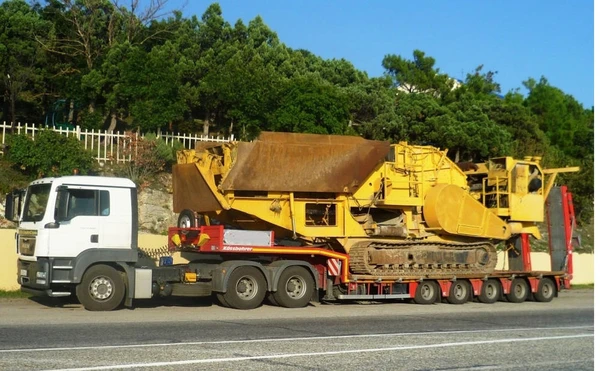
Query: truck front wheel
[101, 288]
[295, 288]
[246, 288]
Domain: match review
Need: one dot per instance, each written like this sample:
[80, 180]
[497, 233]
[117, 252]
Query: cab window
[86, 202]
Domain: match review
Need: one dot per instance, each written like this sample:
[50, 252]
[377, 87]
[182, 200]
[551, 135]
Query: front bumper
[34, 274]
[54, 294]
[35, 277]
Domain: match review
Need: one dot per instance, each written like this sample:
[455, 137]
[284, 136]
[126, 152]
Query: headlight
[41, 275]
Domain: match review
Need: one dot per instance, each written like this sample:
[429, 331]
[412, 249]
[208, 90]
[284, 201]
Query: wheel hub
[490, 291]
[459, 291]
[246, 288]
[185, 222]
[519, 290]
[545, 290]
[426, 292]
[101, 288]
[295, 287]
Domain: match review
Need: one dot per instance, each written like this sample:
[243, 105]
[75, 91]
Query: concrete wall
[8, 260]
[583, 264]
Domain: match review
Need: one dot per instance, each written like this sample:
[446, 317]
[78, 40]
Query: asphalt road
[190, 334]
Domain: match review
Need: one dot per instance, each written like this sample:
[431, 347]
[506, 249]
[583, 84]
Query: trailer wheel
[295, 288]
[427, 292]
[546, 290]
[101, 289]
[187, 219]
[246, 288]
[490, 291]
[459, 292]
[519, 290]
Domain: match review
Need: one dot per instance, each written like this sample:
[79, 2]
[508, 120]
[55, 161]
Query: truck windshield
[35, 202]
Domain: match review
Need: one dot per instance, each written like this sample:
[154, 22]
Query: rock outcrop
[155, 211]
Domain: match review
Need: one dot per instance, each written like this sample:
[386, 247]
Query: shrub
[50, 154]
[164, 151]
[10, 178]
[145, 159]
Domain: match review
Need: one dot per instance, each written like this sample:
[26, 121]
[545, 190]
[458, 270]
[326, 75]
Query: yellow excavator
[395, 209]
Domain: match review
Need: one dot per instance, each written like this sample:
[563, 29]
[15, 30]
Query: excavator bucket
[291, 162]
[190, 190]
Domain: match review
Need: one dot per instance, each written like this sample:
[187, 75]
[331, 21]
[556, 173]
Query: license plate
[23, 272]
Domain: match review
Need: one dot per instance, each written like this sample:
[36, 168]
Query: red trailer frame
[210, 239]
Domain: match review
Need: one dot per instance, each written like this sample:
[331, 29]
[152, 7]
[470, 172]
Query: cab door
[78, 213]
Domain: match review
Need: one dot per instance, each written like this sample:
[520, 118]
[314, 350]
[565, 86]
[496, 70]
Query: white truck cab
[69, 224]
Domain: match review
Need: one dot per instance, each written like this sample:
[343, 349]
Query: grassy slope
[10, 178]
[13, 294]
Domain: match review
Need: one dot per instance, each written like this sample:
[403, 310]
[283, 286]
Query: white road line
[307, 338]
[331, 353]
[506, 366]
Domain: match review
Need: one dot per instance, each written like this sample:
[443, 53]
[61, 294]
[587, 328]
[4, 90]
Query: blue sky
[519, 39]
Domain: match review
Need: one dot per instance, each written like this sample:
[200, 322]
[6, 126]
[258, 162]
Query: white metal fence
[107, 146]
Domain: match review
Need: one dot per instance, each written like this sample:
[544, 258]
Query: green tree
[372, 109]
[310, 105]
[150, 85]
[463, 126]
[214, 33]
[559, 115]
[468, 132]
[342, 73]
[417, 75]
[22, 61]
[82, 35]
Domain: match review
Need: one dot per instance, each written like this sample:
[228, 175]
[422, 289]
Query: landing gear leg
[329, 290]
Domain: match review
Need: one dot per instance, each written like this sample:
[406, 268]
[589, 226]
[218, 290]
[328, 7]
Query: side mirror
[13, 206]
[52, 225]
[9, 207]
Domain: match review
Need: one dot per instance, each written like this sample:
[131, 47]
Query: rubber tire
[187, 219]
[519, 291]
[427, 293]
[304, 278]
[113, 277]
[231, 295]
[271, 299]
[460, 292]
[496, 291]
[221, 299]
[546, 290]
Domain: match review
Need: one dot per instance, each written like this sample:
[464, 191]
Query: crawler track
[413, 258]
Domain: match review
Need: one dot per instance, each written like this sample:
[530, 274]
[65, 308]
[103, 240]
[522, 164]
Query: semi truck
[290, 218]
